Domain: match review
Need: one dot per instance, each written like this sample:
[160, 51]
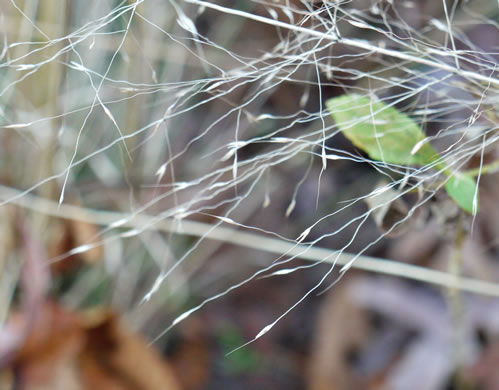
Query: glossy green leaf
[381, 131]
[463, 188]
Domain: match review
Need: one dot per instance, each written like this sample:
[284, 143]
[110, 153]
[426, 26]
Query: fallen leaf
[94, 350]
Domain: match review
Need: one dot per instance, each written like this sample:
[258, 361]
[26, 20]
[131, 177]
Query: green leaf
[388, 135]
[381, 131]
[463, 188]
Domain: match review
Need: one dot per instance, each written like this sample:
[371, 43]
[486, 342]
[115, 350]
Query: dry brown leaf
[192, 360]
[125, 357]
[72, 351]
[72, 233]
[342, 330]
[84, 233]
[48, 357]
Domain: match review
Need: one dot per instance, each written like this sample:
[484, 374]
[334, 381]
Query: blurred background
[173, 188]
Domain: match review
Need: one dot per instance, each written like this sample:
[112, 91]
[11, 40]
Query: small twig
[252, 240]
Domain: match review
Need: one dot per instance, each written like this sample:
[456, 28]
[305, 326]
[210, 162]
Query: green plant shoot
[462, 188]
[393, 137]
